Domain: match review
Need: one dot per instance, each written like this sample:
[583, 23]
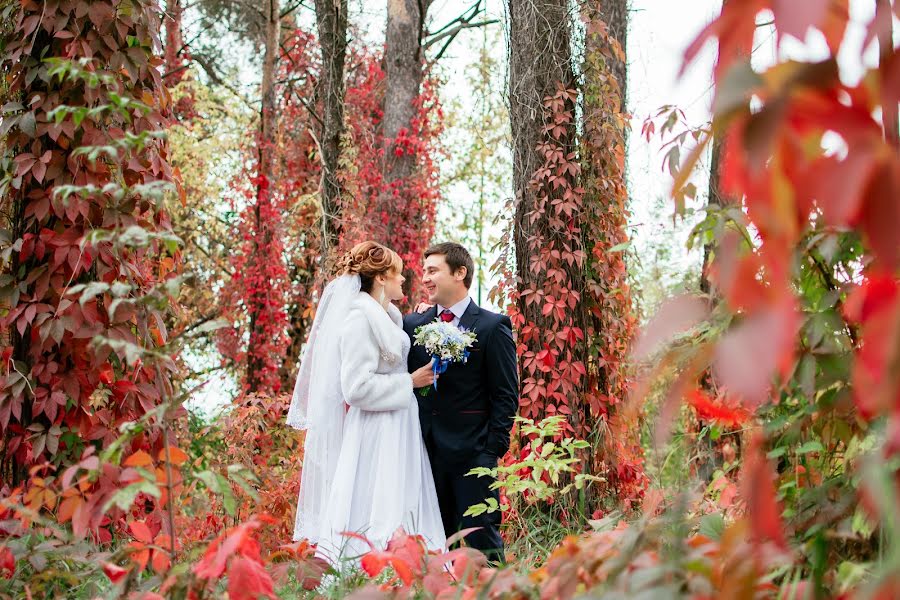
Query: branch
[465, 17]
[306, 105]
[453, 32]
[195, 38]
[176, 70]
[299, 3]
[294, 90]
[832, 285]
[210, 71]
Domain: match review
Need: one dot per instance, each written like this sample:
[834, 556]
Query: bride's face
[393, 284]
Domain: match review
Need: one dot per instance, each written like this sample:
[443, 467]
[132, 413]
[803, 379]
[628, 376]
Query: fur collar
[387, 327]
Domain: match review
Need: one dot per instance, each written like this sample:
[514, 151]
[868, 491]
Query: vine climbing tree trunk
[545, 287]
[570, 298]
[331, 20]
[540, 64]
[607, 306]
[172, 52]
[71, 221]
[614, 13]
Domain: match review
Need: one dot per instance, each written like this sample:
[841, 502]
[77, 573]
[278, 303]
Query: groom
[467, 420]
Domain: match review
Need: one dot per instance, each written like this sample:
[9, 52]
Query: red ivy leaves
[784, 187]
[7, 563]
[723, 411]
[400, 214]
[239, 552]
[58, 384]
[875, 307]
[571, 303]
[249, 580]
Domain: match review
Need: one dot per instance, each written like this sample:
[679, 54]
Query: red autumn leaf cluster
[721, 410]
[570, 302]
[237, 553]
[58, 383]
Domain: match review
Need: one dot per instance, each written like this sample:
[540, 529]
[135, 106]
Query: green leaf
[777, 452]
[475, 510]
[124, 497]
[712, 526]
[811, 446]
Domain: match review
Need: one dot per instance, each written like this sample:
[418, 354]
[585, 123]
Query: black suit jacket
[472, 410]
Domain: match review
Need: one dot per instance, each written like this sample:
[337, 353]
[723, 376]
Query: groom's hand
[423, 307]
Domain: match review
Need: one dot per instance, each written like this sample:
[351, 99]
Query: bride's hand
[423, 307]
[424, 376]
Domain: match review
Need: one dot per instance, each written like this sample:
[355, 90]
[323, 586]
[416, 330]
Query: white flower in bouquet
[445, 341]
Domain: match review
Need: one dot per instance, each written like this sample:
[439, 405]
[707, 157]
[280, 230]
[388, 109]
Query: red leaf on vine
[750, 354]
[374, 562]
[718, 410]
[875, 307]
[114, 572]
[238, 540]
[7, 563]
[141, 532]
[758, 489]
[248, 580]
[546, 357]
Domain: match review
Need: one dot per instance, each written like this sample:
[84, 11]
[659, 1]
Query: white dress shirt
[457, 309]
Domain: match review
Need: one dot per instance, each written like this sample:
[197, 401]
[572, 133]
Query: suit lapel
[469, 320]
[429, 315]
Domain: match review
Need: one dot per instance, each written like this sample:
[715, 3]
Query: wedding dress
[365, 470]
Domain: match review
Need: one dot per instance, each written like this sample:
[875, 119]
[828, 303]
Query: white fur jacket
[374, 350]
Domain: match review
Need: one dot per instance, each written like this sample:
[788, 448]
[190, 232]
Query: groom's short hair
[456, 256]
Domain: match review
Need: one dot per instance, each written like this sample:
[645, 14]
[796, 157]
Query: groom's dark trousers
[467, 420]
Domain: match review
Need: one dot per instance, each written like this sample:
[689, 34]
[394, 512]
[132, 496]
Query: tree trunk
[331, 19]
[267, 125]
[174, 61]
[606, 309]
[714, 198]
[615, 14]
[403, 65]
[540, 60]
[403, 79]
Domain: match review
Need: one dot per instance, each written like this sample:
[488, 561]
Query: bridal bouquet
[445, 342]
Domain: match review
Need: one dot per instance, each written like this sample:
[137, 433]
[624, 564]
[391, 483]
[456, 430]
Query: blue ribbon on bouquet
[439, 365]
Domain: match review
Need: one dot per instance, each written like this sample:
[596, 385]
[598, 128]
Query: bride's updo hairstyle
[368, 259]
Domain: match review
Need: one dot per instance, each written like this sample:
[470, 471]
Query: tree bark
[403, 81]
[404, 62]
[615, 14]
[267, 125]
[714, 198]
[331, 20]
[174, 61]
[540, 60]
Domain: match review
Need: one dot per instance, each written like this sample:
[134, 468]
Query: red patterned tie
[447, 315]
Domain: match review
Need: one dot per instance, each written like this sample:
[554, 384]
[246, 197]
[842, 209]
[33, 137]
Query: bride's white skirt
[382, 481]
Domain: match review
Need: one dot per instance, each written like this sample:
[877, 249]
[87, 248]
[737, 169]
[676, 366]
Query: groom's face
[440, 284]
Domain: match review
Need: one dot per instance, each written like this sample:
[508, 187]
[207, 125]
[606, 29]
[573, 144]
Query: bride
[365, 467]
